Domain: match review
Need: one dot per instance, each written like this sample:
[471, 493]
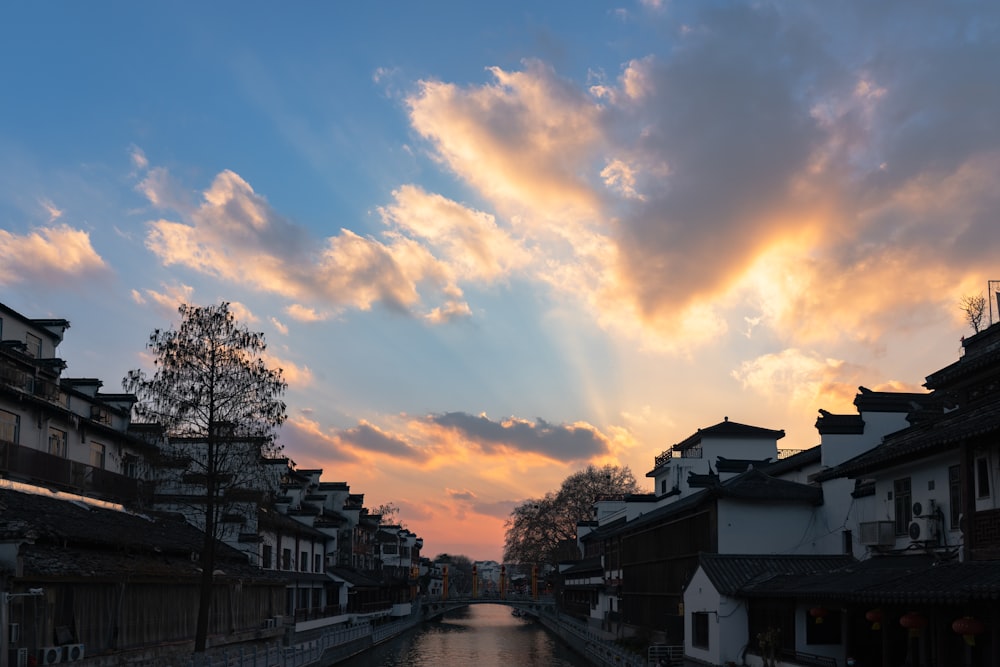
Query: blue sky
[491, 244]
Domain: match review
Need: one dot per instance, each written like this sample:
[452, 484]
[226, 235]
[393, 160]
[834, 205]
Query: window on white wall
[982, 477]
[34, 344]
[699, 629]
[903, 499]
[954, 495]
[98, 455]
[10, 426]
[57, 442]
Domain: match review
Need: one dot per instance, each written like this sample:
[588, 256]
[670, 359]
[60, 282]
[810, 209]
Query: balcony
[663, 458]
[33, 466]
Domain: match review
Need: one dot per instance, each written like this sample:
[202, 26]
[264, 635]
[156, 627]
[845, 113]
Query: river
[481, 635]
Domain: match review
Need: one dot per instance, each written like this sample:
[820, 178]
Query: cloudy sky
[492, 243]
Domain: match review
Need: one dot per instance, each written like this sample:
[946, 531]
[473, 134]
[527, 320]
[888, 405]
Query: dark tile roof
[922, 439]
[949, 582]
[981, 351]
[753, 485]
[843, 583]
[592, 564]
[728, 429]
[867, 400]
[830, 424]
[808, 457]
[890, 580]
[731, 572]
[354, 578]
[277, 521]
[60, 520]
[722, 464]
[73, 538]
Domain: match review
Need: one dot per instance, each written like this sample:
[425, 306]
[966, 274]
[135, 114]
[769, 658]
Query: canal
[481, 635]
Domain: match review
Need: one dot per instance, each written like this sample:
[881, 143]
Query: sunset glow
[491, 245]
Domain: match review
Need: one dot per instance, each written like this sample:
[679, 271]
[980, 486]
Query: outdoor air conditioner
[878, 533]
[74, 652]
[924, 529]
[51, 655]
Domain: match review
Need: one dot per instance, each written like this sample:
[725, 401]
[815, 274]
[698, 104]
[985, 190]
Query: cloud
[766, 134]
[235, 227]
[370, 439]
[295, 375]
[242, 312]
[167, 301]
[138, 157]
[302, 313]
[282, 329]
[57, 256]
[54, 212]
[566, 442]
[471, 242]
[801, 378]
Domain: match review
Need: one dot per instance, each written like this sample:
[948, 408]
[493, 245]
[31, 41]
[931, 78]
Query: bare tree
[974, 307]
[219, 405]
[389, 515]
[539, 528]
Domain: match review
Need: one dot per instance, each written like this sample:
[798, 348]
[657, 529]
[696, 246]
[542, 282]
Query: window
[903, 505]
[318, 563]
[97, 455]
[304, 561]
[699, 629]
[57, 442]
[954, 495]
[663, 486]
[823, 629]
[10, 426]
[34, 345]
[982, 477]
[286, 559]
[265, 557]
[130, 466]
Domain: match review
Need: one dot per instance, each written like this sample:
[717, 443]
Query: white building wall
[923, 474]
[769, 528]
[727, 624]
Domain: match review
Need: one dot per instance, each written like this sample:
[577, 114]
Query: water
[481, 635]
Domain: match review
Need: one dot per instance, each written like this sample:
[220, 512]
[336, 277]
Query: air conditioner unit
[52, 655]
[878, 533]
[924, 529]
[74, 652]
[21, 658]
[13, 633]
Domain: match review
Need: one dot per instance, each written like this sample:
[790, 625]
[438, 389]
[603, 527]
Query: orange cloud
[51, 256]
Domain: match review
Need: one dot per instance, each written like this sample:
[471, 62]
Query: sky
[490, 244]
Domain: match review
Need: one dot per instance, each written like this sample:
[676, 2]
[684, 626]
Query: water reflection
[482, 635]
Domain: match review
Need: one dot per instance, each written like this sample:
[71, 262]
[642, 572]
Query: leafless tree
[539, 528]
[219, 406]
[974, 307]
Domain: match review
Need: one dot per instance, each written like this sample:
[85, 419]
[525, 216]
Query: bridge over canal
[528, 606]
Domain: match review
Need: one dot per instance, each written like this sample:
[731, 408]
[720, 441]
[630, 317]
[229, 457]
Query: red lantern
[914, 622]
[818, 613]
[968, 627]
[874, 616]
